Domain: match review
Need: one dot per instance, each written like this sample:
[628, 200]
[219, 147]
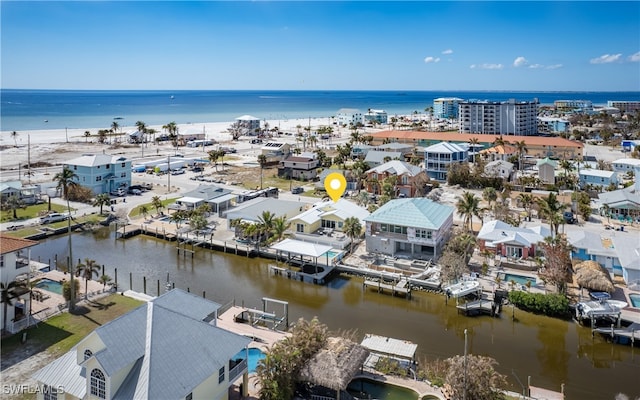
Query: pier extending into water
[401, 287]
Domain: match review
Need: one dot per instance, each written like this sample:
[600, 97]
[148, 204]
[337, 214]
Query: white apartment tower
[499, 118]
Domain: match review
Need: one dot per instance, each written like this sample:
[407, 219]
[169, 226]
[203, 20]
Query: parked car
[54, 217]
[177, 172]
[118, 192]
[569, 218]
[228, 150]
[297, 190]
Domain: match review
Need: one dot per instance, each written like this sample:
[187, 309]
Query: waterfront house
[408, 178]
[628, 248]
[375, 158]
[547, 170]
[499, 169]
[511, 241]
[303, 167]
[218, 199]
[27, 194]
[597, 178]
[349, 117]
[101, 173]
[439, 157]
[15, 257]
[251, 211]
[415, 227]
[327, 217]
[249, 124]
[591, 246]
[375, 117]
[168, 348]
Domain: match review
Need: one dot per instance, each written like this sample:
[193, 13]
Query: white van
[53, 217]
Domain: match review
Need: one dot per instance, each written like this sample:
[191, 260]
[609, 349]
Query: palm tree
[468, 206]
[280, 226]
[14, 136]
[526, 200]
[114, 128]
[142, 127]
[14, 202]
[521, 146]
[101, 200]
[87, 134]
[144, 210]
[67, 179]
[489, 194]
[86, 270]
[157, 203]
[499, 141]
[473, 143]
[104, 279]
[551, 209]
[265, 222]
[214, 155]
[262, 160]
[9, 292]
[353, 229]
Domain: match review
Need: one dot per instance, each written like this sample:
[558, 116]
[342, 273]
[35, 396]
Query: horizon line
[325, 90]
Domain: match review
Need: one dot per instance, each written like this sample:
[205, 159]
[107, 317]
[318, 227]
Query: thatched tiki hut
[591, 275]
[335, 365]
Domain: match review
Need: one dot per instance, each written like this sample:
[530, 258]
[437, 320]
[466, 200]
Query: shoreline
[213, 130]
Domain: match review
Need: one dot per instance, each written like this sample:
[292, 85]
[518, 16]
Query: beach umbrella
[593, 276]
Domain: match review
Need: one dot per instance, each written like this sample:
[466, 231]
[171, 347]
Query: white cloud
[606, 58]
[447, 51]
[430, 59]
[536, 66]
[554, 66]
[486, 66]
[520, 61]
[635, 57]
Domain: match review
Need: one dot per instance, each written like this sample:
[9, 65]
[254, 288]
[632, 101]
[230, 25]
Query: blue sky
[550, 45]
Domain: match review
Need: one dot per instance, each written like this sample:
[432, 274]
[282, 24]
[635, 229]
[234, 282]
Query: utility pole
[168, 173]
[464, 389]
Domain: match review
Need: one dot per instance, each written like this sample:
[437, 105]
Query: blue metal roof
[413, 212]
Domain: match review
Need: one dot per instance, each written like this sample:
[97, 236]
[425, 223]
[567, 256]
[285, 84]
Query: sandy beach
[57, 145]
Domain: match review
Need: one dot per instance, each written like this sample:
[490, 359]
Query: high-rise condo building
[498, 117]
[446, 107]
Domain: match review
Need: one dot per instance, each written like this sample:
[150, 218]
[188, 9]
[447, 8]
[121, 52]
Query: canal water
[549, 350]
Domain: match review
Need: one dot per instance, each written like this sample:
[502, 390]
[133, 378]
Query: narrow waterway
[551, 351]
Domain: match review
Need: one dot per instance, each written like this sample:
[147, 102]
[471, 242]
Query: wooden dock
[482, 306]
[402, 286]
[631, 333]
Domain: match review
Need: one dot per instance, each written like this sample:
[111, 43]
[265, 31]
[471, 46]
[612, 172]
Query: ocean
[25, 110]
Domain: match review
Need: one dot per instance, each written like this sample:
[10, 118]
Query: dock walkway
[402, 286]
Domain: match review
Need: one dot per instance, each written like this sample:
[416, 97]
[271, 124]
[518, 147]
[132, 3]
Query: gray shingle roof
[414, 212]
[376, 156]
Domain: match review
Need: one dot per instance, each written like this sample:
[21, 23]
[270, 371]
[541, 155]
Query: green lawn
[59, 334]
[136, 211]
[29, 212]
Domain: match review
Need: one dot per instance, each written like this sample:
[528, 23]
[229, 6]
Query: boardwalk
[401, 287]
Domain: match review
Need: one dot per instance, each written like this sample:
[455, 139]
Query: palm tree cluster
[551, 209]
[267, 229]
[66, 181]
[197, 218]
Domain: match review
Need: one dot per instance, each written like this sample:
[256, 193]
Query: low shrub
[555, 305]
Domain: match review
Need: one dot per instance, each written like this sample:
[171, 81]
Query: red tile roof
[543, 141]
[10, 244]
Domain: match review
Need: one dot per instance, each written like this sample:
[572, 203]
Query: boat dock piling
[631, 332]
[482, 306]
[401, 286]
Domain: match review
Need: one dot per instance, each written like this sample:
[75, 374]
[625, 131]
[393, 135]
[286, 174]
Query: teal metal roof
[414, 212]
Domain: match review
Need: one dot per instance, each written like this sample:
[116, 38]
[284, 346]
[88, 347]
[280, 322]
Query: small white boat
[46, 120]
[463, 288]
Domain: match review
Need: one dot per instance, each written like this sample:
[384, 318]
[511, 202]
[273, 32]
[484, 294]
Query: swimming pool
[518, 279]
[331, 254]
[50, 286]
[635, 299]
[255, 355]
[362, 388]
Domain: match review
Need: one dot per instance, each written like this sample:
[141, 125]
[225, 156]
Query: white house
[499, 169]
[597, 177]
[349, 116]
[168, 348]
[15, 257]
[511, 241]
